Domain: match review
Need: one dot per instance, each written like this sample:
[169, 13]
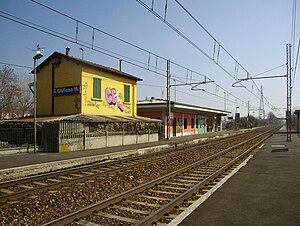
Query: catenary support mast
[289, 93]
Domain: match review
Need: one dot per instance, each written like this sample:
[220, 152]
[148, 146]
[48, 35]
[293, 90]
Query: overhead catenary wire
[296, 63]
[215, 40]
[145, 69]
[272, 69]
[187, 39]
[28, 67]
[16, 65]
[242, 102]
[293, 29]
[198, 48]
[120, 39]
[149, 53]
[94, 28]
[181, 34]
[95, 48]
[237, 64]
[71, 39]
[113, 36]
[193, 95]
[78, 41]
[87, 45]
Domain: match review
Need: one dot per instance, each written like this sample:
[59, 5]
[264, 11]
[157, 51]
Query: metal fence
[19, 137]
[91, 140]
[53, 134]
[104, 133]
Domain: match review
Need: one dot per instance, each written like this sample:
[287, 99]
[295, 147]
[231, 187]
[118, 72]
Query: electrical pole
[168, 112]
[248, 115]
[224, 101]
[261, 105]
[289, 93]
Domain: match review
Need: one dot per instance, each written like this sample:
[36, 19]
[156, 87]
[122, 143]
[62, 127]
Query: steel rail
[88, 210]
[72, 170]
[102, 163]
[78, 170]
[53, 185]
[153, 217]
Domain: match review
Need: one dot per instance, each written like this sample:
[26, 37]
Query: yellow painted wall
[103, 105]
[67, 73]
[44, 93]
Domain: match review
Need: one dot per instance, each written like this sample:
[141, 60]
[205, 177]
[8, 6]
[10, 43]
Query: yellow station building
[68, 85]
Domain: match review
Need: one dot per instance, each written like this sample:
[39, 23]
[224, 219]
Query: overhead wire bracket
[237, 83]
[194, 84]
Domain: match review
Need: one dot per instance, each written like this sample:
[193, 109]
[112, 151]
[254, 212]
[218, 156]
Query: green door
[201, 123]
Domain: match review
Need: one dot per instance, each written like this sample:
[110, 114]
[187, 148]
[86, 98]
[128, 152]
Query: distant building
[185, 119]
[68, 85]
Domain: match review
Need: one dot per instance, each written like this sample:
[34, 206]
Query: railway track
[158, 201]
[15, 189]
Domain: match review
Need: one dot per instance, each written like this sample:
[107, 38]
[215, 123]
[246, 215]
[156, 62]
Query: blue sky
[254, 32]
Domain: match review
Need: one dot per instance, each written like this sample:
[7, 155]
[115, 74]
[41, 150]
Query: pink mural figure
[111, 97]
[121, 107]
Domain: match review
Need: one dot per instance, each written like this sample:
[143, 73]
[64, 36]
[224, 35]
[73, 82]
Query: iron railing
[19, 137]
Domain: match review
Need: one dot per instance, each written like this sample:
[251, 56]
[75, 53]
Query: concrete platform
[264, 192]
[17, 164]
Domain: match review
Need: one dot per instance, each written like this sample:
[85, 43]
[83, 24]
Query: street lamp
[37, 56]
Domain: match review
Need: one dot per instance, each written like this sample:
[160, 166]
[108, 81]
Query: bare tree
[7, 85]
[15, 97]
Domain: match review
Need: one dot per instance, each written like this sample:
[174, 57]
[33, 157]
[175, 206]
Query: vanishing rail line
[14, 189]
[148, 203]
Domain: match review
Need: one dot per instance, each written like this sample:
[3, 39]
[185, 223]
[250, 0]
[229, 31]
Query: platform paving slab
[264, 192]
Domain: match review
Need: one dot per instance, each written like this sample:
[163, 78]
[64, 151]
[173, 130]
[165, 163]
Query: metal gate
[51, 137]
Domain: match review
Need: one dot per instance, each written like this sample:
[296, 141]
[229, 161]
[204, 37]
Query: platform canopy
[179, 107]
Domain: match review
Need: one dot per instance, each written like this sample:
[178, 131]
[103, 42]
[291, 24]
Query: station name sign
[68, 90]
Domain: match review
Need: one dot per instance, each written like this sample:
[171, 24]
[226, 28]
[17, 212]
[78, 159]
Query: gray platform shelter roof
[180, 107]
[85, 118]
[87, 64]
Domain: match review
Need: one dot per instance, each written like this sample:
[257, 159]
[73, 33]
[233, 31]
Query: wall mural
[112, 97]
